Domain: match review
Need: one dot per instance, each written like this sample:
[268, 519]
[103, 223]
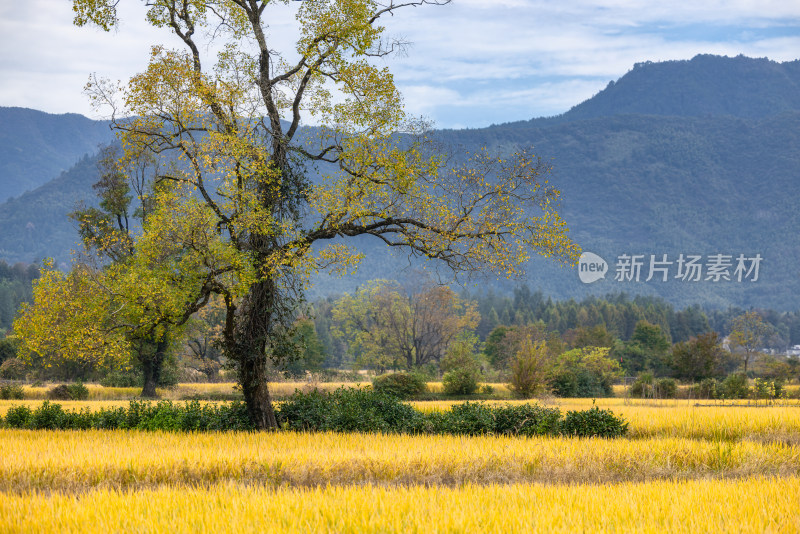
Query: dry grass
[81, 460]
[751, 505]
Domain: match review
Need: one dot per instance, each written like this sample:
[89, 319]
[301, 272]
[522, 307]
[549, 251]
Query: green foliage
[461, 381]
[708, 389]
[699, 358]
[78, 391]
[11, 391]
[347, 410]
[9, 346]
[75, 391]
[371, 411]
[462, 369]
[343, 410]
[401, 385]
[647, 386]
[529, 369]
[18, 417]
[60, 392]
[191, 416]
[584, 372]
[122, 379]
[594, 423]
[735, 387]
[666, 388]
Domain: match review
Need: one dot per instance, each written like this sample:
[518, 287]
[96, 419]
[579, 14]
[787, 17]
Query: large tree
[388, 325]
[239, 167]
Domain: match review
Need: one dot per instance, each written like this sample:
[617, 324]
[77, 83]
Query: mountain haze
[35, 147]
[682, 157]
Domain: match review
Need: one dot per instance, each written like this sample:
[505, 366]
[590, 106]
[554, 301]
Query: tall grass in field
[79, 460]
[750, 505]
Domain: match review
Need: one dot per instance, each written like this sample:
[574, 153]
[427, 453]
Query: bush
[666, 388]
[594, 422]
[581, 383]
[75, 391]
[401, 385]
[18, 416]
[347, 410]
[469, 418]
[526, 420]
[462, 381]
[343, 410]
[528, 369]
[163, 415]
[11, 392]
[78, 391]
[707, 389]
[59, 393]
[642, 387]
[735, 387]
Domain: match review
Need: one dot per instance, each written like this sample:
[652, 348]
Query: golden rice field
[684, 468]
[746, 506]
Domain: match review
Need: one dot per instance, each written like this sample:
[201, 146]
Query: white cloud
[470, 55]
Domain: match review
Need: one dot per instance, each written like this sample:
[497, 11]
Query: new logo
[591, 267]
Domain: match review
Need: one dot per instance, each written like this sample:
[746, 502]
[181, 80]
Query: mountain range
[679, 159]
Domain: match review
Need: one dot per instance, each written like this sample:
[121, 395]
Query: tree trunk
[255, 386]
[255, 334]
[152, 358]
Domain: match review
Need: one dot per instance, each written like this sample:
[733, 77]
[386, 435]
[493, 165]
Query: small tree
[530, 368]
[461, 368]
[747, 334]
[699, 358]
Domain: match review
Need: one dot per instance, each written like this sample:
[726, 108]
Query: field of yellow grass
[81, 460]
[188, 389]
[684, 468]
[749, 505]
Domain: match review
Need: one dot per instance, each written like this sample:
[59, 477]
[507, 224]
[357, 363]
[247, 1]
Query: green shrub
[11, 391]
[59, 393]
[78, 391]
[48, 417]
[642, 387]
[526, 420]
[528, 369]
[666, 388]
[735, 387]
[580, 383]
[487, 389]
[469, 418]
[347, 410]
[343, 410]
[401, 385]
[18, 416]
[593, 422]
[461, 381]
[75, 391]
[163, 415]
[707, 389]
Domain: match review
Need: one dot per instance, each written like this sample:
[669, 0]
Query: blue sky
[472, 63]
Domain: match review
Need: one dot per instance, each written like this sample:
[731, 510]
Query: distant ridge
[705, 85]
[681, 157]
[35, 147]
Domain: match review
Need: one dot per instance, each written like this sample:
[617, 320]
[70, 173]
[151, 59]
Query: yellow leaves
[68, 320]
